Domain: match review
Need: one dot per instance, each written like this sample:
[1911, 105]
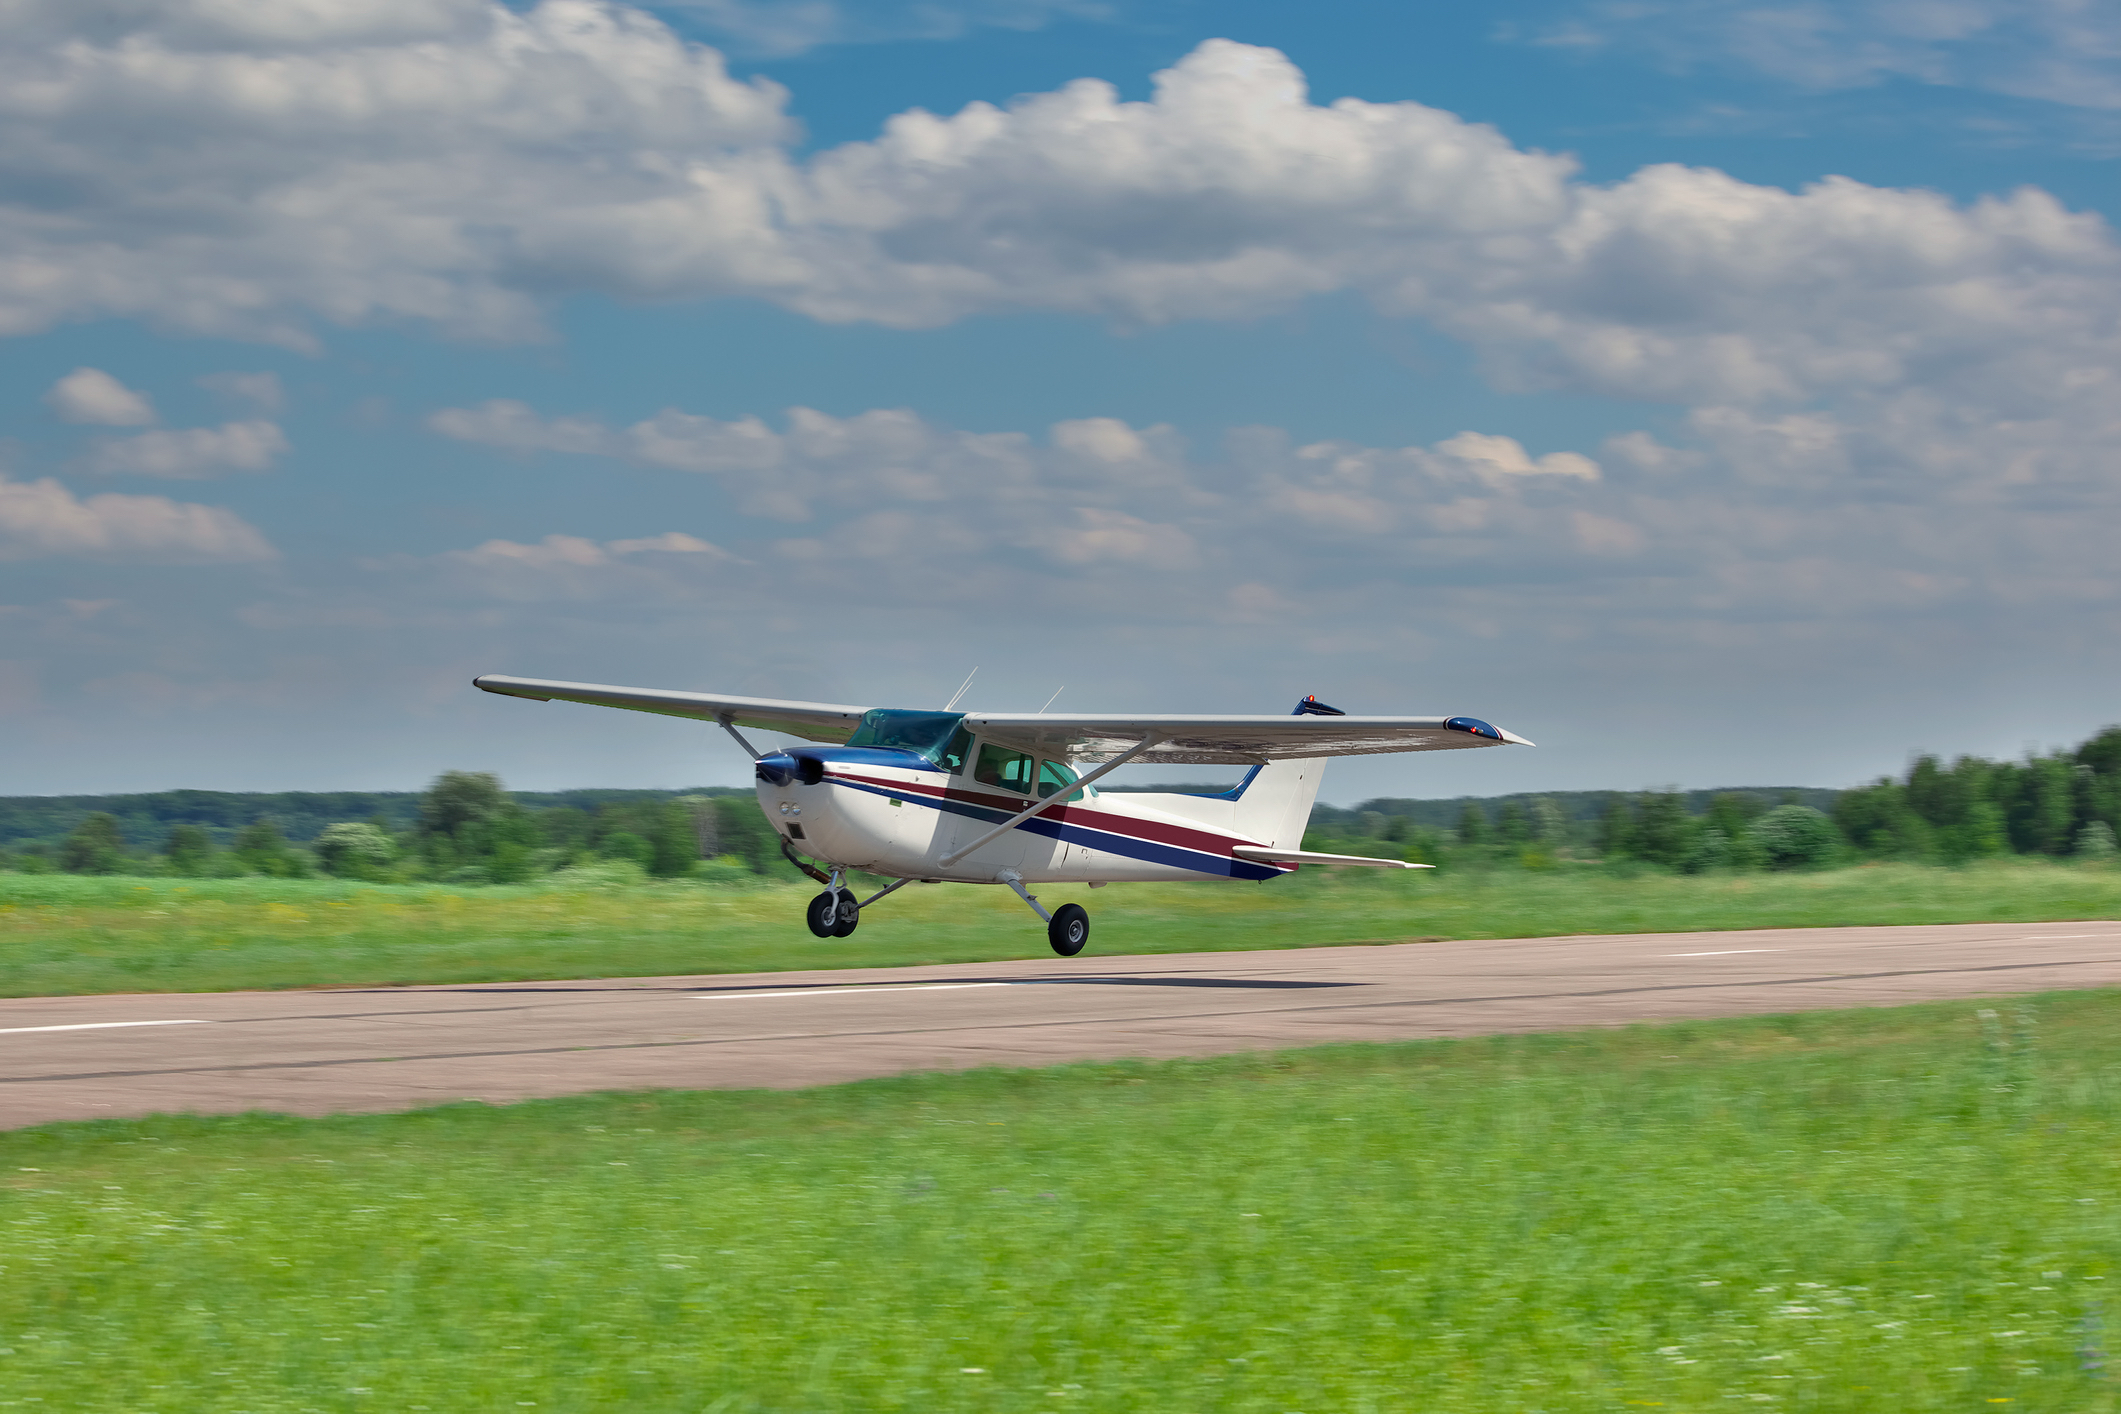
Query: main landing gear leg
[1067, 927]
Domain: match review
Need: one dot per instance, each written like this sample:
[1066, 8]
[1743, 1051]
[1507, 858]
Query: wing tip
[501, 685]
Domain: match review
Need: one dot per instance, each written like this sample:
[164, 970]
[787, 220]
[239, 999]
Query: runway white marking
[1727, 952]
[96, 1026]
[844, 991]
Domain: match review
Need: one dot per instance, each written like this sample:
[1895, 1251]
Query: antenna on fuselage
[1051, 700]
[961, 690]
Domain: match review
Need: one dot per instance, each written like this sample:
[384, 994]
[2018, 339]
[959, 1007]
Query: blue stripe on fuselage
[1089, 837]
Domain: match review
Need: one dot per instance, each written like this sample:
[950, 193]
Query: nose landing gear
[834, 913]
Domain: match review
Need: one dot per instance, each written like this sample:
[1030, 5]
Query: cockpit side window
[999, 766]
[952, 757]
[1054, 776]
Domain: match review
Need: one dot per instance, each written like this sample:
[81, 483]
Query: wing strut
[726, 724]
[1056, 798]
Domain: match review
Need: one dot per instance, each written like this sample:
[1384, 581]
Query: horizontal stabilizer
[1300, 856]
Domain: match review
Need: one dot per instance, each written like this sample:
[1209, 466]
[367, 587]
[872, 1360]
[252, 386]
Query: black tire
[1070, 929]
[822, 914]
[847, 917]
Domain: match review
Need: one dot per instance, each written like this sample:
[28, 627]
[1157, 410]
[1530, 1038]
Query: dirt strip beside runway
[354, 1049]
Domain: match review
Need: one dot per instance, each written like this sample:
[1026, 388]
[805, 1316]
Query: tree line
[2063, 805]
[464, 829]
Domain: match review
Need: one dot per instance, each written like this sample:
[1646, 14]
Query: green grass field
[61, 934]
[1912, 1209]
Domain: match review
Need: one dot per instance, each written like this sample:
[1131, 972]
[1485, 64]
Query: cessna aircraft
[995, 798]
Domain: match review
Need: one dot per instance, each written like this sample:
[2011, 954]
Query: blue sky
[1715, 393]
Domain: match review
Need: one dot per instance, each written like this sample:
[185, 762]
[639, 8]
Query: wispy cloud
[772, 28]
[2063, 52]
[193, 452]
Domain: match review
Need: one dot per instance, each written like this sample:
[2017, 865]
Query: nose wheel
[833, 914]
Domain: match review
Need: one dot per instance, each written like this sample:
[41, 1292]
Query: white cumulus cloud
[42, 519]
[260, 389]
[192, 452]
[89, 395]
[238, 170]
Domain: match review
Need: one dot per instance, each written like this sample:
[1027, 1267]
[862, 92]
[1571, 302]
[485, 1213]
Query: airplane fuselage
[896, 813]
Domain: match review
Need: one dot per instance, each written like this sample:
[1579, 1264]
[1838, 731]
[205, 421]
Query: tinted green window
[999, 766]
[1053, 776]
[953, 755]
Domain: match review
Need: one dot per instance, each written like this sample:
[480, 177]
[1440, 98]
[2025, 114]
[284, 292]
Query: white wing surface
[1181, 740]
[813, 721]
[1235, 741]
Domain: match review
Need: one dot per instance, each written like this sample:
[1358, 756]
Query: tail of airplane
[1276, 803]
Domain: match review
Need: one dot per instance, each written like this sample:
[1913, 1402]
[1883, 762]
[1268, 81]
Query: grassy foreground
[1910, 1209]
[62, 934]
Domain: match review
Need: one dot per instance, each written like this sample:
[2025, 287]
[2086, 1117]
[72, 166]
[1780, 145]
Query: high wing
[1234, 741]
[1181, 740]
[813, 721]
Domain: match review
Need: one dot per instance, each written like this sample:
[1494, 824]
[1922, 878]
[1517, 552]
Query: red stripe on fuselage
[1132, 826]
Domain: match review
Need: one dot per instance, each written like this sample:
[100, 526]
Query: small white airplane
[994, 798]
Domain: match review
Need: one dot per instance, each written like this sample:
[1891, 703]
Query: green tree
[675, 846]
[1472, 824]
[1879, 820]
[1711, 850]
[261, 849]
[96, 846]
[1796, 837]
[2102, 753]
[2096, 841]
[1549, 825]
[624, 844]
[471, 830]
[354, 851]
[744, 832]
[564, 828]
[1511, 826]
[1958, 806]
[460, 798]
[1664, 832]
[189, 850]
[1616, 829]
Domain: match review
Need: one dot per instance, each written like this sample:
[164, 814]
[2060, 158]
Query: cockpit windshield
[925, 733]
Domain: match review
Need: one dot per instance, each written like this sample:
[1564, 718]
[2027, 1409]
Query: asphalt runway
[393, 1048]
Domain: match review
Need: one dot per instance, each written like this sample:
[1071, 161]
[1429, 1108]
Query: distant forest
[466, 828]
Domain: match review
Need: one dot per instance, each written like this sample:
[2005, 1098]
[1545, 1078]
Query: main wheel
[1069, 930]
[847, 915]
[822, 914]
